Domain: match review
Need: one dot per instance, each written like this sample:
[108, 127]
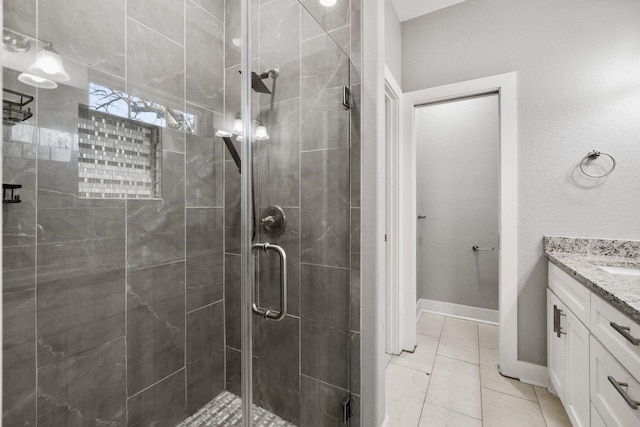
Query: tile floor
[452, 380]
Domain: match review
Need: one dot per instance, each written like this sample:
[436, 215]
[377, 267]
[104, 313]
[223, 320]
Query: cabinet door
[576, 384]
[555, 346]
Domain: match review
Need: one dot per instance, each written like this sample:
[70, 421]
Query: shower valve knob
[273, 221]
[268, 220]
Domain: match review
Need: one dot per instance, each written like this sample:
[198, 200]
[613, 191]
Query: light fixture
[15, 42]
[49, 65]
[237, 126]
[261, 133]
[37, 81]
[223, 133]
[328, 3]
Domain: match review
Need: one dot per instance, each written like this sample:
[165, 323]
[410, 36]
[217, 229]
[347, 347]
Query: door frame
[394, 336]
[506, 86]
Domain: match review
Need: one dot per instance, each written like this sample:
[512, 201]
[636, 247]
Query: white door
[458, 178]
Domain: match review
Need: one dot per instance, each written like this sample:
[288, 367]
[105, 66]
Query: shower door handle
[264, 312]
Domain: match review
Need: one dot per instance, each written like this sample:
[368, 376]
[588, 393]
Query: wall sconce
[328, 3]
[37, 81]
[259, 134]
[223, 133]
[48, 67]
[237, 126]
[49, 64]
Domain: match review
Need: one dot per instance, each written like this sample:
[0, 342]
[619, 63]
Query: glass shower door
[301, 196]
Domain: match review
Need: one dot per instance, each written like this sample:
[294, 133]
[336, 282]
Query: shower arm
[270, 72]
[236, 159]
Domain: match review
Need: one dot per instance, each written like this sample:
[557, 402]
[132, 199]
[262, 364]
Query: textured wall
[578, 65]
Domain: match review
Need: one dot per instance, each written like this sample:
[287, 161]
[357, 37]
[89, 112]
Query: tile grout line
[544, 417]
[224, 200]
[480, 376]
[35, 239]
[126, 239]
[155, 383]
[184, 207]
[300, 287]
[431, 373]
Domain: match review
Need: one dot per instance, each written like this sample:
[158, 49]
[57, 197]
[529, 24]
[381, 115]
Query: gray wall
[458, 191]
[578, 88]
[392, 41]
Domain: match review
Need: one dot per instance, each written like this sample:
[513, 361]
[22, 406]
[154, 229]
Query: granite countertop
[580, 258]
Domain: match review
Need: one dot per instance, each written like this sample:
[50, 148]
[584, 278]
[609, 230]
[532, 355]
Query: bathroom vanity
[593, 329]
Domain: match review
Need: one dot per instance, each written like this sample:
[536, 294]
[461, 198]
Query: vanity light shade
[37, 81]
[49, 65]
[328, 3]
[261, 133]
[237, 126]
[223, 133]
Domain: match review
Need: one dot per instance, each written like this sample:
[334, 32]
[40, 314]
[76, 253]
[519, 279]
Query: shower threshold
[226, 410]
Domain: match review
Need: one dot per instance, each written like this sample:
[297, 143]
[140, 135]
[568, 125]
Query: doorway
[458, 201]
[506, 86]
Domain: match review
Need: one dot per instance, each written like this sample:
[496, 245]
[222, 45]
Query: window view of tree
[118, 103]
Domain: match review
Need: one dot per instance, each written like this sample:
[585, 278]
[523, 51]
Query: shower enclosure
[181, 213]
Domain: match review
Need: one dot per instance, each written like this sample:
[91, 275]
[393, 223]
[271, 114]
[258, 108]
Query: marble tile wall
[113, 309]
[123, 312]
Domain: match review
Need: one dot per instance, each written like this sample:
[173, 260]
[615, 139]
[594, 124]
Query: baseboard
[483, 315]
[533, 374]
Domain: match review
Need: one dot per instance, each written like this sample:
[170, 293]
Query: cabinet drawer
[610, 327]
[610, 401]
[572, 293]
[596, 419]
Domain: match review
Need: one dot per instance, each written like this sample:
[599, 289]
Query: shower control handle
[268, 220]
[268, 313]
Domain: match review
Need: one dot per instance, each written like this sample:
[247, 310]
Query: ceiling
[409, 9]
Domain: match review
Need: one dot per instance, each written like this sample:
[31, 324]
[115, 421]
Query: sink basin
[622, 271]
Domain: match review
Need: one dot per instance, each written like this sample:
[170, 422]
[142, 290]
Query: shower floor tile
[226, 410]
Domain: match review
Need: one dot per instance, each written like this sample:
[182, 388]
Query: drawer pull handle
[624, 331]
[618, 386]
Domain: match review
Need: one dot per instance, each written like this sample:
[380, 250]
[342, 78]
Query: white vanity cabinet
[593, 355]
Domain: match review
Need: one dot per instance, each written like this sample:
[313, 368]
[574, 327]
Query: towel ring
[592, 155]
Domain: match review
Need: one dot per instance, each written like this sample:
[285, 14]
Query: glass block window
[118, 157]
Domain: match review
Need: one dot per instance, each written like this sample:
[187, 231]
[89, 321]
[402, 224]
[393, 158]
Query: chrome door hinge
[346, 409]
[346, 99]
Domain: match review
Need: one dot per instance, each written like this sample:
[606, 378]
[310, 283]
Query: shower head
[257, 84]
[256, 79]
